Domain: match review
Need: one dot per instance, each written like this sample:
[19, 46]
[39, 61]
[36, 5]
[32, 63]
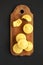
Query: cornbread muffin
[20, 36]
[16, 49]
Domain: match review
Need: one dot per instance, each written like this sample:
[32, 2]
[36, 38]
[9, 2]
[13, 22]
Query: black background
[6, 7]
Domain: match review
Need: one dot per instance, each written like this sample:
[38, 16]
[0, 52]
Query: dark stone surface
[6, 7]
